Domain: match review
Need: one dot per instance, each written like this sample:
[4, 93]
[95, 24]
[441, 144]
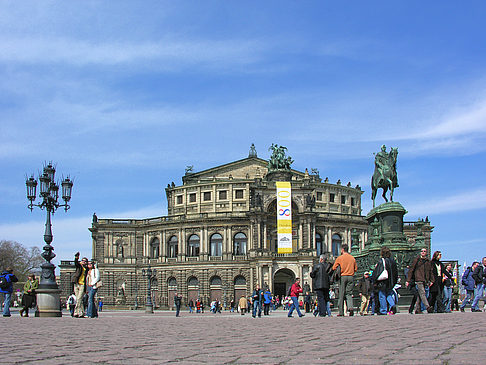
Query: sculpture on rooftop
[278, 160]
[385, 175]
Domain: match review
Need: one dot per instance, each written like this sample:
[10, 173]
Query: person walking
[190, 305]
[479, 276]
[177, 303]
[385, 276]
[348, 266]
[71, 304]
[364, 288]
[243, 304]
[100, 305]
[79, 280]
[257, 298]
[28, 299]
[437, 287]
[469, 284]
[295, 290]
[7, 278]
[421, 273]
[267, 301]
[321, 284]
[449, 284]
[93, 278]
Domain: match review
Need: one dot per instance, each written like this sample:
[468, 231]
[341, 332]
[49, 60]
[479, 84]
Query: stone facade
[219, 237]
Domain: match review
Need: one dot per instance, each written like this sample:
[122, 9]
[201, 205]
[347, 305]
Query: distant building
[219, 239]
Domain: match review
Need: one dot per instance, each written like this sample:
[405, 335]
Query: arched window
[173, 247]
[215, 280]
[154, 248]
[319, 247]
[193, 282]
[336, 244]
[193, 245]
[240, 280]
[240, 244]
[216, 242]
[172, 283]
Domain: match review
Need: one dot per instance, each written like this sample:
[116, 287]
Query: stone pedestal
[48, 303]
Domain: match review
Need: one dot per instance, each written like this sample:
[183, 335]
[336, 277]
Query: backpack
[289, 291]
[4, 282]
[464, 277]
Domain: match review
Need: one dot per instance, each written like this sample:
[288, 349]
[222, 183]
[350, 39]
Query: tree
[21, 259]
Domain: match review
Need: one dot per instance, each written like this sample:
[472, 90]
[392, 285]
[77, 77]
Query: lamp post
[48, 293]
[150, 274]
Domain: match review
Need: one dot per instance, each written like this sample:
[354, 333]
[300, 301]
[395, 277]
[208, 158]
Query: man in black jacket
[479, 276]
[79, 280]
[364, 288]
[320, 283]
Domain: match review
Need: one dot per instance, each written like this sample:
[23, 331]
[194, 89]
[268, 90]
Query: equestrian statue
[385, 175]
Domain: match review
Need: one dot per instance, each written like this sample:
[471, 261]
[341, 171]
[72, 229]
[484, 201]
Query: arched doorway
[282, 280]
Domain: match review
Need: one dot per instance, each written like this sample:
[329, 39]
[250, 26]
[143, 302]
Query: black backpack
[289, 291]
[4, 282]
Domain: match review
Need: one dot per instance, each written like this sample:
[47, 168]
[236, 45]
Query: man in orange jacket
[348, 268]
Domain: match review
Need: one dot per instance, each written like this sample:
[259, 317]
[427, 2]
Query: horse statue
[385, 175]
[278, 160]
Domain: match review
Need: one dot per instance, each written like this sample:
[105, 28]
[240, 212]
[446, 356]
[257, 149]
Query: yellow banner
[284, 217]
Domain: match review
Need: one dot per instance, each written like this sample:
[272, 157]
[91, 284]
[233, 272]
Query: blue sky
[123, 96]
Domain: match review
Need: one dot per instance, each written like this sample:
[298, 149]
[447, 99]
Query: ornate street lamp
[150, 274]
[48, 293]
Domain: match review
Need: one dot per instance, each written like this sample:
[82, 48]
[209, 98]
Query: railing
[215, 258]
[192, 258]
[240, 257]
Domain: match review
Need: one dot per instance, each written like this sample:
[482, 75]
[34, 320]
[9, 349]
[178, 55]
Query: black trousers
[322, 299]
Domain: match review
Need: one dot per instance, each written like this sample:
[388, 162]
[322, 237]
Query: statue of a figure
[95, 218]
[385, 175]
[189, 169]
[253, 152]
[278, 160]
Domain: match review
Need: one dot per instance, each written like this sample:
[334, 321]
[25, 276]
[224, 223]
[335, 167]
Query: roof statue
[278, 160]
[253, 152]
[385, 175]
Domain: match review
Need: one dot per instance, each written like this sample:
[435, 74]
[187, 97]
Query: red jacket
[295, 290]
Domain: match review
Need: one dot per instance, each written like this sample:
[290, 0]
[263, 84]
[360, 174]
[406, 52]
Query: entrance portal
[282, 280]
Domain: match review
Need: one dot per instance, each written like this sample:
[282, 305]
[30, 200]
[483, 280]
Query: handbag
[336, 275]
[384, 274]
[98, 285]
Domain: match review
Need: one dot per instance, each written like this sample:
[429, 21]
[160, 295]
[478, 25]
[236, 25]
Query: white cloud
[469, 200]
[168, 53]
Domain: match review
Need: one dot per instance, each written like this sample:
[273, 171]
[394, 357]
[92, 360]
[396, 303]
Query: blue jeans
[295, 305]
[479, 295]
[467, 299]
[447, 298]
[257, 305]
[6, 303]
[328, 308]
[386, 296]
[92, 312]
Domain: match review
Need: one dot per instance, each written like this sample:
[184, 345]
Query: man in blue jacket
[7, 289]
[468, 284]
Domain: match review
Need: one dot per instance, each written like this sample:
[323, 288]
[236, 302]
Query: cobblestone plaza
[133, 337]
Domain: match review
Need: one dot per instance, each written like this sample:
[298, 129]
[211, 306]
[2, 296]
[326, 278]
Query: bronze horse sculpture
[385, 175]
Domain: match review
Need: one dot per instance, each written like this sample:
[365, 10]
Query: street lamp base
[48, 303]
[149, 309]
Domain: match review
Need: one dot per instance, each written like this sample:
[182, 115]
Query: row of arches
[240, 243]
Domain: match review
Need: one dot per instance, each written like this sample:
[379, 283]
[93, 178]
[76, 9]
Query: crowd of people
[432, 284]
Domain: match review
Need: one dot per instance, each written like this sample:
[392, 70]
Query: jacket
[243, 303]
[320, 276]
[364, 286]
[448, 279]
[31, 286]
[267, 297]
[79, 270]
[11, 278]
[420, 271]
[479, 275]
[257, 295]
[295, 290]
[467, 278]
[347, 263]
[391, 267]
[438, 270]
[93, 276]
